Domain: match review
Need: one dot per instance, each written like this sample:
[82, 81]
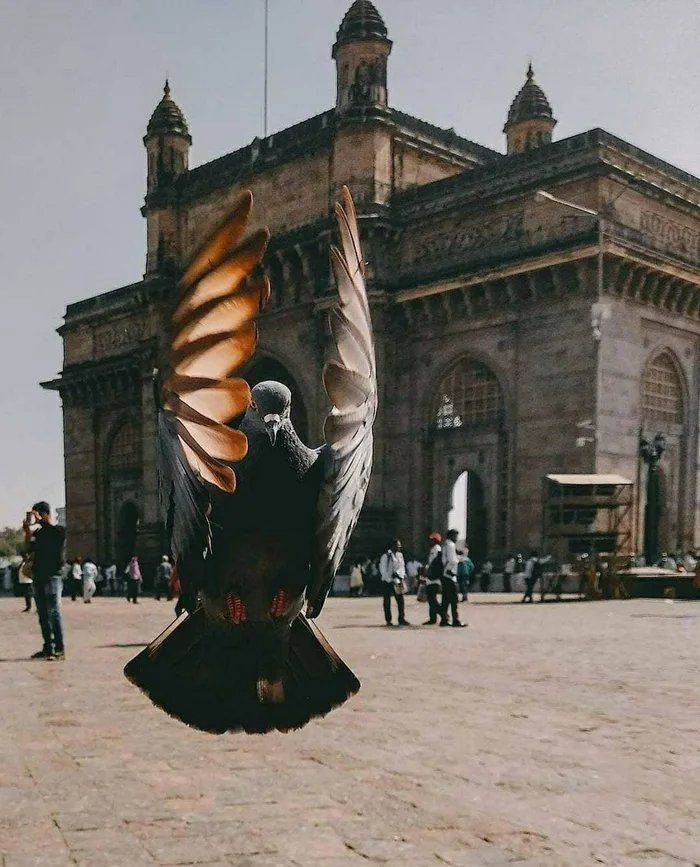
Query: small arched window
[469, 394]
[662, 391]
[125, 451]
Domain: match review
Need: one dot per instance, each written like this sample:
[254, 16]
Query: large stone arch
[665, 409]
[464, 418]
[122, 467]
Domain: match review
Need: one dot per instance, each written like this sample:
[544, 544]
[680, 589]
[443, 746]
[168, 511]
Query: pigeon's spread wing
[213, 333]
[351, 383]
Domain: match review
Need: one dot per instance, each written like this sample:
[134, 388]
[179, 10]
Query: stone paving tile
[542, 735]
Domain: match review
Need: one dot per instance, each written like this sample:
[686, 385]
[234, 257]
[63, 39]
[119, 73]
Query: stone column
[81, 482]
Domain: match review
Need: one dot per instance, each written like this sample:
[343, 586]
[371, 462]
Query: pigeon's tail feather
[218, 687]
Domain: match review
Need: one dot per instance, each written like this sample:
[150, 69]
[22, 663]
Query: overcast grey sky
[81, 77]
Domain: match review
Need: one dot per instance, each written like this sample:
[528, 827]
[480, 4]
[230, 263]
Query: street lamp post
[650, 452]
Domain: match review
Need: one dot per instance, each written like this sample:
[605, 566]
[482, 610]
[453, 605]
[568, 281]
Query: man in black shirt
[45, 541]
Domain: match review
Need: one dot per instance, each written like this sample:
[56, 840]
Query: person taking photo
[45, 540]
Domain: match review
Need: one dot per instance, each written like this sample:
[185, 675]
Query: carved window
[662, 394]
[125, 451]
[469, 394]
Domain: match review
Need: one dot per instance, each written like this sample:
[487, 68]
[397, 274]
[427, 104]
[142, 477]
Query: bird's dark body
[258, 523]
[263, 535]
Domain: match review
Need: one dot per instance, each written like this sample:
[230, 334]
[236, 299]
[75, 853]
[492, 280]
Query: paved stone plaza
[543, 734]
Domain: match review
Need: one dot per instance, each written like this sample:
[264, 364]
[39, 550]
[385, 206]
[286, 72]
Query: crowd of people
[83, 578]
[443, 579]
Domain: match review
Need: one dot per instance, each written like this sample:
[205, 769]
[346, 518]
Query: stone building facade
[506, 324]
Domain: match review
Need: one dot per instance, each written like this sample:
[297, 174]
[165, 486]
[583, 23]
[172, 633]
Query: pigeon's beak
[273, 423]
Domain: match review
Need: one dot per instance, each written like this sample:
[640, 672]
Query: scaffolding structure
[587, 514]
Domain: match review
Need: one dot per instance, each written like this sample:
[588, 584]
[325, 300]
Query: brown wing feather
[219, 399]
[220, 243]
[225, 278]
[214, 334]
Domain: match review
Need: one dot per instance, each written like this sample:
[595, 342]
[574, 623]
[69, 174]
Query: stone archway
[468, 441]
[123, 489]
[269, 368]
[664, 402]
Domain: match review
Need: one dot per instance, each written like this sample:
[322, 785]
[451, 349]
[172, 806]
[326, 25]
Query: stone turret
[167, 142]
[361, 50]
[530, 120]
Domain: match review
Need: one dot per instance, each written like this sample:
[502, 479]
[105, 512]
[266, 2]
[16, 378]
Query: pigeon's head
[272, 402]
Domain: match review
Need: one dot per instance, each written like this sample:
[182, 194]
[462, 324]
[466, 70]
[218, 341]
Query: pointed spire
[167, 116]
[530, 101]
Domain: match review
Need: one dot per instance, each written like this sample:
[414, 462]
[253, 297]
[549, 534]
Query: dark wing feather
[213, 334]
[351, 385]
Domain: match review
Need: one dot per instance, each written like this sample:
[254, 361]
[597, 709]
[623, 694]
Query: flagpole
[265, 98]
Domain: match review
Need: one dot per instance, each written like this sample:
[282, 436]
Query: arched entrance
[467, 459]
[664, 414]
[268, 368]
[127, 532]
[124, 482]
[468, 515]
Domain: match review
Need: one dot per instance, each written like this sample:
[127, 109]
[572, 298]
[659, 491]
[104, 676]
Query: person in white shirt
[111, 578]
[413, 568]
[89, 583]
[76, 579]
[392, 570]
[533, 571]
[508, 572]
[450, 562]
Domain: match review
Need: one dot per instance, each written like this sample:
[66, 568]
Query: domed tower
[360, 52]
[530, 119]
[167, 141]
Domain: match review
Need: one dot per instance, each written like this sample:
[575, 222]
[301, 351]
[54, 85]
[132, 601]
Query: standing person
[133, 579]
[26, 585]
[164, 573]
[76, 579]
[392, 570]
[465, 570]
[533, 571]
[433, 578]
[111, 578]
[450, 562]
[486, 572]
[356, 580]
[508, 572]
[46, 543]
[7, 579]
[413, 568]
[89, 579]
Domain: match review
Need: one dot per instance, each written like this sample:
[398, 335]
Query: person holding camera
[392, 570]
[45, 540]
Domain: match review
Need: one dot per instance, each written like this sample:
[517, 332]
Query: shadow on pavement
[136, 644]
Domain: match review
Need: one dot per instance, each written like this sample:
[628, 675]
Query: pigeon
[257, 522]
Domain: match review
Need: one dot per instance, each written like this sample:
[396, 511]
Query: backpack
[436, 568]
